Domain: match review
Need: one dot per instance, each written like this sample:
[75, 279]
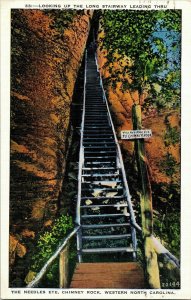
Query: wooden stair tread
[108, 275]
[92, 267]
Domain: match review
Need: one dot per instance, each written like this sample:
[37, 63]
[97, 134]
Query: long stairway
[104, 208]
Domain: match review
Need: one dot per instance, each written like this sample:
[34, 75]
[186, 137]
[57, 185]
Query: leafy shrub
[172, 136]
[46, 246]
[168, 228]
[169, 165]
[62, 18]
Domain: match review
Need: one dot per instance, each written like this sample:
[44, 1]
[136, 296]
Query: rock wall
[45, 63]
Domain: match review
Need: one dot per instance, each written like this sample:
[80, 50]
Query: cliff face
[45, 62]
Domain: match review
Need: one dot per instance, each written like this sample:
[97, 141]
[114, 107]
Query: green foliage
[172, 136]
[167, 227]
[173, 229]
[166, 203]
[48, 243]
[62, 18]
[144, 37]
[169, 165]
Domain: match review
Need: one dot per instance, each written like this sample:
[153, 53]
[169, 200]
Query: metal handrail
[160, 249]
[42, 272]
[81, 155]
[81, 163]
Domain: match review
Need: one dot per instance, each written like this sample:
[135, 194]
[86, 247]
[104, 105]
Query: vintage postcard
[95, 149]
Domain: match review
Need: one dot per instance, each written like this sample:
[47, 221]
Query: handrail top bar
[64, 243]
[159, 248]
[81, 154]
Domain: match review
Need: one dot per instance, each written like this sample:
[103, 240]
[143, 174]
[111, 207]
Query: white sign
[136, 134]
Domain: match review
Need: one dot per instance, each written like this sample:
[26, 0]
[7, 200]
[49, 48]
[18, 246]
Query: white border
[185, 292]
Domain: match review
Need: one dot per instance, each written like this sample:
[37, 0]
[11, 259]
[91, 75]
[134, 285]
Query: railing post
[79, 245]
[134, 241]
[63, 268]
[146, 204]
